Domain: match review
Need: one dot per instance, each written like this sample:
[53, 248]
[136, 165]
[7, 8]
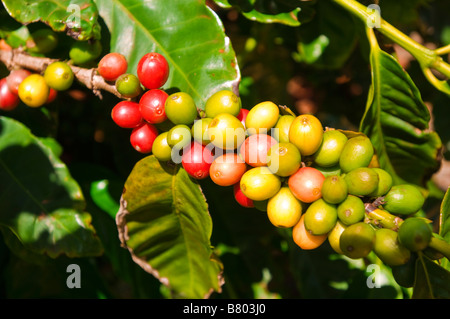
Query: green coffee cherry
[281, 130]
[361, 181]
[334, 189]
[388, 248]
[199, 130]
[160, 148]
[283, 159]
[179, 136]
[59, 76]
[415, 233]
[351, 210]
[357, 240]
[83, 52]
[331, 148]
[403, 199]
[224, 101]
[43, 41]
[328, 171]
[128, 85]
[320, 217]
[384, 182]
[334, 236]
[357, 152]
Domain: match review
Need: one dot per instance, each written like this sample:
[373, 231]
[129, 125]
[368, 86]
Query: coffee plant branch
[428, 59]
[17, 58]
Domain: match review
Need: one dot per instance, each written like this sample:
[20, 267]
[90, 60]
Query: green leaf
[78, 18]
[39, 200]
[444, 224]
[432, 281]
[267, 11]
[329, 38]
[188, 33]
[165, 223]
[396, 120]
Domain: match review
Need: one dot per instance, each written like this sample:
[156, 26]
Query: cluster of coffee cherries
[321, 183]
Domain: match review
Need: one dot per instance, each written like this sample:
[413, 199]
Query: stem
[426, 57]
[441, 246]
[382, 218]
[88, 77]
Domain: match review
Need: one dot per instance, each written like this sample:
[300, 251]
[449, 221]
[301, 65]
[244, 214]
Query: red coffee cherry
[153, 70]
[112, 65]
[152, 105]
[15, 78]
[142, 137]
[126, 114]
[196, 160]
[243, 200]
[8, 100]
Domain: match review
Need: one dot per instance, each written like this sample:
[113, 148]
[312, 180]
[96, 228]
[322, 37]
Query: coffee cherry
[331, 148]
[126, 114]
[128, 85]
[254, 149]
[59, 76]
[404, 199]
[283, 159]
[242, 116]
[14, 79]
[42, 41]
[152, 106]
[227, 169]
[281, 129]
[199, 130]
[82, 52]
[351, 210]
[384, 182]
[283, 209]
[112, 65]
[306, 132]
[52, 94]
[388, 248]
[262, 117]
[179, 136]
[357, 240]
[142, 137]
[8, 100]
[415, 234]
[328, 171]
[306, 184]
[161, 149]
[357, 152]
[224, 101]
[320, 217]
[304, 239]
[334, 189]
[361, 181]
[153, 70]
[259, 183]
[196, 160]
[225, 131]
[34, 91]
[334, 236]
[180, 108]
[242, 200]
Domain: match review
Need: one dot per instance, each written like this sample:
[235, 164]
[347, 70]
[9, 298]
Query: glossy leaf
[79, 18]
[165, 223]
[328, 39]
[188, 33]
[396, 120]
[444, 224]
[47, 216]
[267, 11]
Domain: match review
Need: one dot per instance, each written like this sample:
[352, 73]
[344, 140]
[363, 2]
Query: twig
[17, 58]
